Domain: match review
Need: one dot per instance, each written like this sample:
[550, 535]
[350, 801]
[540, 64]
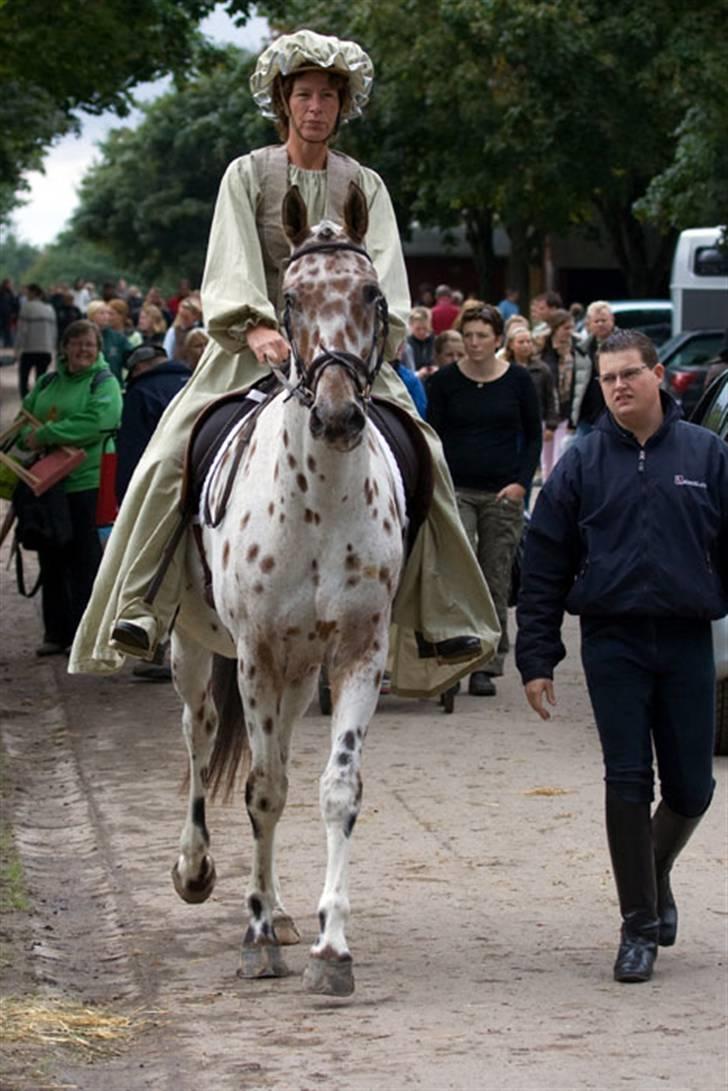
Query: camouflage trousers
[494, 528]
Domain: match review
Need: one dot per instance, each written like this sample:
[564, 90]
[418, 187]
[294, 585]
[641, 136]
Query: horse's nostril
[357, 419]
[315, 422]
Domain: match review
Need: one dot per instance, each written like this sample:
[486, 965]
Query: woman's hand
[267, 345]
[512, 492]
[548, 433]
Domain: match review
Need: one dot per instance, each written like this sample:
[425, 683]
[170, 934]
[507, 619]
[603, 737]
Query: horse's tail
[232, 747]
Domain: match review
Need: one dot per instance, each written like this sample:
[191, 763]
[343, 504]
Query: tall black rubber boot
[670, 834]
[629, 832]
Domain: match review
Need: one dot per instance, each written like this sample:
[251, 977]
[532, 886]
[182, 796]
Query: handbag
[107, 506]
[43, 520]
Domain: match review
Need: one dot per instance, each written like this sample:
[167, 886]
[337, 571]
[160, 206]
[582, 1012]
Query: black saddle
[218, 419]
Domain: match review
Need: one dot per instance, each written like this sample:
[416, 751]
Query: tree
[16, 257]
[150, 198]
[538, 114]
[56, 59]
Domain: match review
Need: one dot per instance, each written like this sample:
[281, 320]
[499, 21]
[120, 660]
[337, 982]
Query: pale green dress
[442, 593]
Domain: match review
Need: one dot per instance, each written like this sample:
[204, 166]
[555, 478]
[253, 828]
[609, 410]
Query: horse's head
[335, 317]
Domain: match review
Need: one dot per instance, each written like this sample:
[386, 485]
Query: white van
[699, 282]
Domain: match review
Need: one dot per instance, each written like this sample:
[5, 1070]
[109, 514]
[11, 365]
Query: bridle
[361, 371]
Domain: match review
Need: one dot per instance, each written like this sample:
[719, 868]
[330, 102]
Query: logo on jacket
[679, 479]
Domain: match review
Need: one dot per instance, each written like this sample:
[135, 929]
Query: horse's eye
[371, 293]
[289, 298]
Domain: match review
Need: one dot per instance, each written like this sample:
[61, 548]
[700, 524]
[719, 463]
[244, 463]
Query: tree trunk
[519, 262]
[479, 233]
[645, 273]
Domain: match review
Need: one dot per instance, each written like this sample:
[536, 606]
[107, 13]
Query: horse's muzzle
[342, 428]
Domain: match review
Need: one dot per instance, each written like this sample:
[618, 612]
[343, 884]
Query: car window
[630, 320]
[710, 261]
[716, 417]
[698, 351]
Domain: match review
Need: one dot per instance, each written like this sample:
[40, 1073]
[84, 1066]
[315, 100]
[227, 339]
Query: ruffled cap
[307, 49]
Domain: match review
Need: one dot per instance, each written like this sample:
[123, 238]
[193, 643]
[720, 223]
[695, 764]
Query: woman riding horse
[310, 84]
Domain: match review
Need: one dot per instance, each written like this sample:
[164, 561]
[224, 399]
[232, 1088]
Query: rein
[360, 371]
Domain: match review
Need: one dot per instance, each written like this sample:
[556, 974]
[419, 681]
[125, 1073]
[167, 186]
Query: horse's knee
[340, 795]
[265, 797]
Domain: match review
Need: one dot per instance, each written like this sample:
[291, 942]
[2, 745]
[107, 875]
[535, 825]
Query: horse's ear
[295, 216]
[356, 214]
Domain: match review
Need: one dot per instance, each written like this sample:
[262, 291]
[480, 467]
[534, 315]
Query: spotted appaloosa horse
[304, 563]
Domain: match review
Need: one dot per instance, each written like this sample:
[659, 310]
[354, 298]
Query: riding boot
[629, 833]
[670, 834]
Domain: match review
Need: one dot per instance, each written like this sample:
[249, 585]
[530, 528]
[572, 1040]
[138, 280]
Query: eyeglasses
[628, 375]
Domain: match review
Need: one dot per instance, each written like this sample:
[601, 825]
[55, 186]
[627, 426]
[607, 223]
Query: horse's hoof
[262, 960]
[328, 976]
[285, 929]
[197, 890]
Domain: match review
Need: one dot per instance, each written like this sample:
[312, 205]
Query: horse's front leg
[271, 710]
[194, 872]
[355, 689]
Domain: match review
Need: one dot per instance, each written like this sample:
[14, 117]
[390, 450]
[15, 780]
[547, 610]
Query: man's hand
[535, 690]
[267, 345]
[31, 441]
[514, 492]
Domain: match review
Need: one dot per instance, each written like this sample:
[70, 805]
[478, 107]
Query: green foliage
[16, 257]
[150, 199]
[70, 256]
[58, 58]
[541, 113]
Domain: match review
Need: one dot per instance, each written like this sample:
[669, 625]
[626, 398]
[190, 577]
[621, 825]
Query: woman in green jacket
[78, 405]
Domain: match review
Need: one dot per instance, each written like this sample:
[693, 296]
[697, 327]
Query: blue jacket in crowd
[145, 399]
[625, 531]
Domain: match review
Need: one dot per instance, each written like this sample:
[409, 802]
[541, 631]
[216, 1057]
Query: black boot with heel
[670, 834]
[629, 832]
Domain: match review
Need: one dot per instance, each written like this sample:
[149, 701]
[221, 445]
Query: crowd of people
[82, 356]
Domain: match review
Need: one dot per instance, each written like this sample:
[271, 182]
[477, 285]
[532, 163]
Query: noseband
[360, 371]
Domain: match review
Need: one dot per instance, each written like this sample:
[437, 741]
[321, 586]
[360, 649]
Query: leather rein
[361, 371]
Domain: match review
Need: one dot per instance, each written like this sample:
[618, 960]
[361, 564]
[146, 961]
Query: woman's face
[144, 323]
[81, 352]
[452, 351]
[522, 345]
[187, 316]
[561, 337]
[313, 107]
[481, 340]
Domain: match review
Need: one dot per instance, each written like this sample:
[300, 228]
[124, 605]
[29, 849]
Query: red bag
[107, 507]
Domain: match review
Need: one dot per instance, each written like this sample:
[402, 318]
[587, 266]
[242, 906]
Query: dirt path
[483, 926]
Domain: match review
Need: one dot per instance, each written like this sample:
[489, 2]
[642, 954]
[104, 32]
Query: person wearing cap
[153, 380]
[310, 84]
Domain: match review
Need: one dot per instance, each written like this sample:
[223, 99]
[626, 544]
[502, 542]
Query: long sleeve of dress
[385, 250]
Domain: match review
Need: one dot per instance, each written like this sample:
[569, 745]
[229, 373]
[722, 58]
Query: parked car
[652, 316]
[712, 412]
[685, 358]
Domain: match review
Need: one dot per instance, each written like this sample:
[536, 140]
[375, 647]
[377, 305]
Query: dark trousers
[41, 361]
[68, 572]
[652, 683]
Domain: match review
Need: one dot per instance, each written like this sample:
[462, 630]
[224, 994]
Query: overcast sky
[54, 194]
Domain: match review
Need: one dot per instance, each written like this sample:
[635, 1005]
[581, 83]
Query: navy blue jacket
[625, 531]
[145, 399]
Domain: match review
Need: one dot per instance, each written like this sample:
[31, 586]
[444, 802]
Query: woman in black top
[486, 412]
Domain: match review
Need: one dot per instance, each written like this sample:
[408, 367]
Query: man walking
[631, 533]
